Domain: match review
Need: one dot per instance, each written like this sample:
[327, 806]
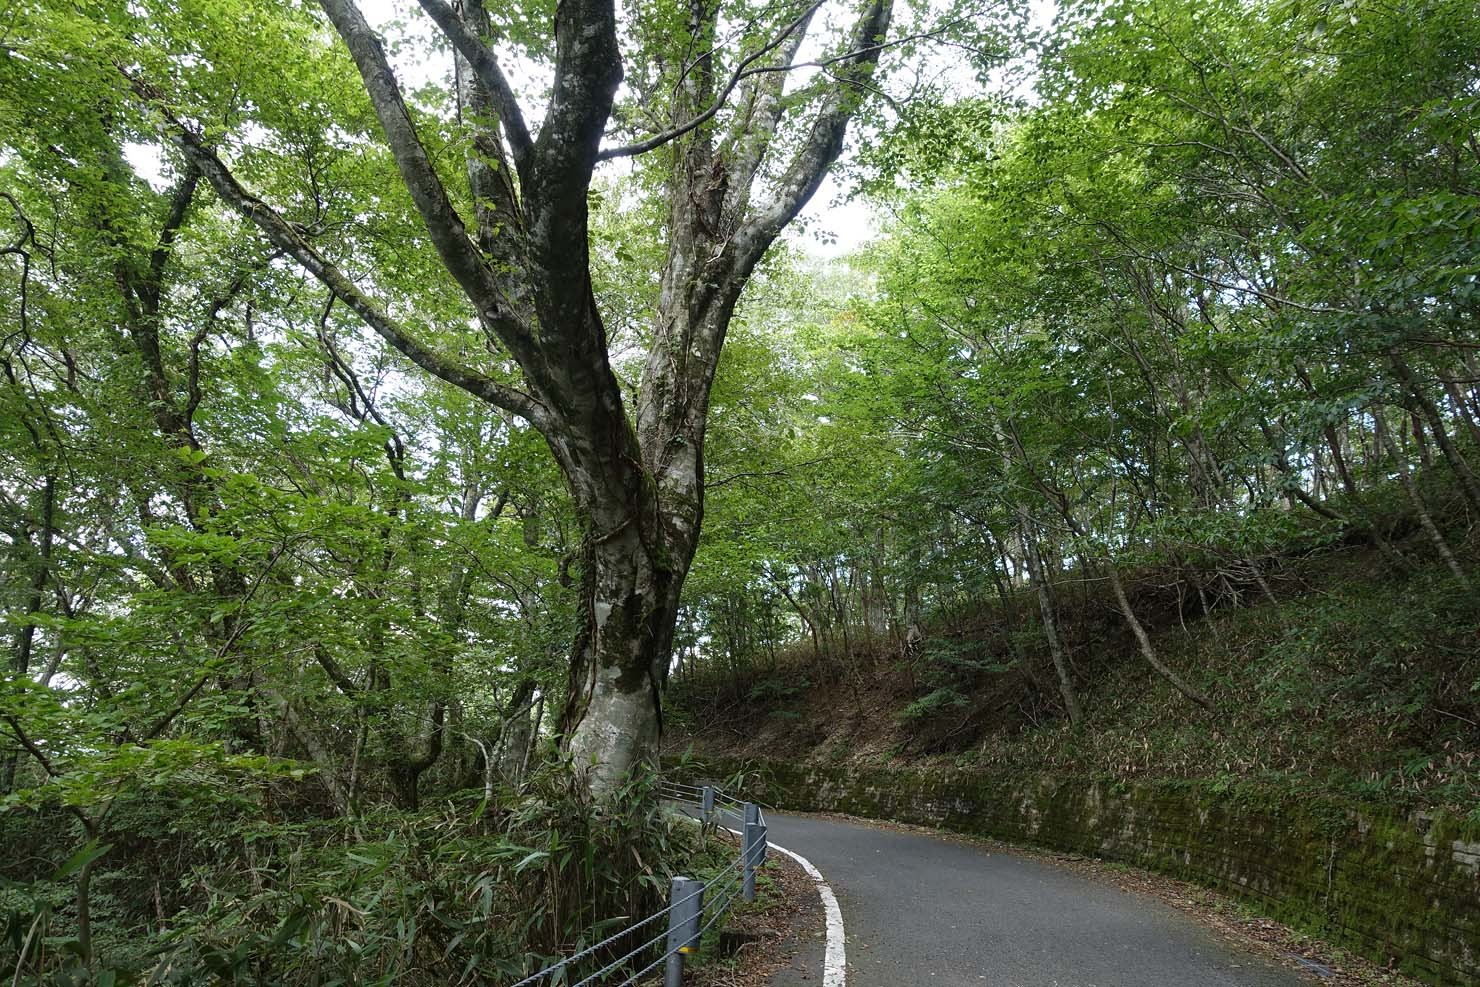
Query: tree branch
[588, 68]
[757, 474]
[31, 746]
[282, 235]
[825, 141]
[336, 673]
[485, 65]
[742, 71]
[448, 234]
[755, 127]
[180, 201]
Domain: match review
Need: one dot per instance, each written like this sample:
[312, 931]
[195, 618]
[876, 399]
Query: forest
[417, 418]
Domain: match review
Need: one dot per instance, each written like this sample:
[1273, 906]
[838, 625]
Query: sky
[831, 225]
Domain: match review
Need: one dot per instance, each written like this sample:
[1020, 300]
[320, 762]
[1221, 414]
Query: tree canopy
[395, 401]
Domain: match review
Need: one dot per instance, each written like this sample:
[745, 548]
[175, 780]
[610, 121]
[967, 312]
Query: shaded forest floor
[1359, 680]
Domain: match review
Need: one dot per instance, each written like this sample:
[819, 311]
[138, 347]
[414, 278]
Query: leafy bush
[932, 704]
[463, 891]
[1390, 649]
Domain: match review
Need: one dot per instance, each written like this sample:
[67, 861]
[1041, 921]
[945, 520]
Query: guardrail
[693, 906]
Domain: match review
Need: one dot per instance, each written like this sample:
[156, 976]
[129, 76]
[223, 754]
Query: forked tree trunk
[1143, 641]
[636, 479]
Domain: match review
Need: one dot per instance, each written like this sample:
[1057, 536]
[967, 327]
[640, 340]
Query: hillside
[1358, 680]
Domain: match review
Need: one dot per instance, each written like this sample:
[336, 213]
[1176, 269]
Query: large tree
[743, 154]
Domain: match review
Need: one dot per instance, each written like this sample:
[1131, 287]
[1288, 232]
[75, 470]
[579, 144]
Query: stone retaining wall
[1394, 888]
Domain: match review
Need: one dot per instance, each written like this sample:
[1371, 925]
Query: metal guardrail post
[685, 911]
[686, 898]
[752, 842]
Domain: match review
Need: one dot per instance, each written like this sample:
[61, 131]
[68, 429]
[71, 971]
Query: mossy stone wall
[1395, 888]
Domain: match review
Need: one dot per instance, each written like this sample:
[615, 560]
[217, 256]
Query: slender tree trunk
[25, 633]
[319, 753]
[1263, 583]
[1462, 408]
[1468, 483]
[1425, 519]
[1038, 578]
[1144, 642]
[534, 735]
[1472, 373]
[84, 902]
[1348, 483]
[518, 732]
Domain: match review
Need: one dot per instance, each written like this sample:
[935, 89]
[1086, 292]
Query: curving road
[919, 909]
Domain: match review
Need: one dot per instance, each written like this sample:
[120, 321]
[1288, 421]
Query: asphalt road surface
[923, 910]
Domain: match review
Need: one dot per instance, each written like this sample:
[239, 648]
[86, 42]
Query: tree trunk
[534, 734]
[636, 482]
[518, 733]
[25, 633]
[1462, 408]
[1050, 619]
[612, 716]
[1425, 519]
[1468, 483]
[1144, 642]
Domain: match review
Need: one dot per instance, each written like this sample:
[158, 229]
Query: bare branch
[742, 71]
[180, 201]
[31, 746]
[28, 235]
[332, 668]
[445, 227]
[825, 141]
[758, 474]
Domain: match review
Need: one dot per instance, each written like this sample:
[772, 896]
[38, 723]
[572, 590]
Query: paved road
[922, 910]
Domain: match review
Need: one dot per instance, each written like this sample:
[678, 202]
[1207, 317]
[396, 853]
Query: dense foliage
[1203, 306]
[290, 623]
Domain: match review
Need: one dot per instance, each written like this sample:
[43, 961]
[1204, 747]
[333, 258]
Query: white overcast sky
[831, 224]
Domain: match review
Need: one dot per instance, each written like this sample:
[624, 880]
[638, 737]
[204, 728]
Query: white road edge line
[835, 959]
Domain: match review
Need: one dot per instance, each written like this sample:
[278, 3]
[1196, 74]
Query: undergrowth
[463, 891]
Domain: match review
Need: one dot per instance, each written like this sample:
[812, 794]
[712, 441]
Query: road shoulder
[781, 943]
